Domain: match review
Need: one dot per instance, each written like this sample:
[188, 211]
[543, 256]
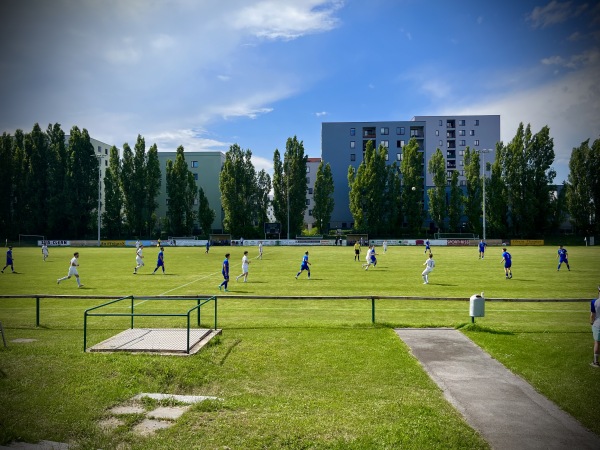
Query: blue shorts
[303, 267]
[507, 265]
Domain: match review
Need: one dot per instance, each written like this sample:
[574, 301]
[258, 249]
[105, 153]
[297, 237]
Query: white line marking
[184, 285]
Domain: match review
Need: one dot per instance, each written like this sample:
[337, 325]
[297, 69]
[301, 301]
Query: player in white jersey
[245, 263]
[44, 251]
[370, 258]
[72, 270]
[260, 250]
[430, 264]
[139, 258]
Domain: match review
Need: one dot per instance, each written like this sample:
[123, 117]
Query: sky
[209, 74]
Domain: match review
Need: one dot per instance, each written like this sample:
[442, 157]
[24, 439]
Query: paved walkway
[505, 409]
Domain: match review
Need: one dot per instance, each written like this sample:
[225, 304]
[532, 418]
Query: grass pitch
[292, 373]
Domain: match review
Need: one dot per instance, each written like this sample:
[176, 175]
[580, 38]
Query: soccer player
[563, 257]
[427, 246]
[245, 264]
[225, 272]
[260, 250]
[507, 260]
[371, 258]
[482, 246]
[304, 265]
[385, 246]
[595, 322]
[9, 260]
[44, 251]
[207, 246]
[139, 258]
[430, 264]
[356, 251]
[160, 262]
[137, 244]
[73, 270]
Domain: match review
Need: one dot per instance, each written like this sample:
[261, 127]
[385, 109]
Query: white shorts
[139, 261]
[73, 271]
[596, 333]
[427, 270]
[244, 268]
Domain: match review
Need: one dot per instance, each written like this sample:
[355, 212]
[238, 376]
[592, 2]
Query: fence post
[198, 303]
[84, 331]
[215, 313]
[37, 311]
[132, 300]
[372, 309]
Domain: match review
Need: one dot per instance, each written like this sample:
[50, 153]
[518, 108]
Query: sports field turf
[292, 373]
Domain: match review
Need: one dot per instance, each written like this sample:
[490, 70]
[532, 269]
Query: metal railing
[200, 301]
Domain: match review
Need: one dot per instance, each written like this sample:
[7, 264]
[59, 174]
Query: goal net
[30, 240]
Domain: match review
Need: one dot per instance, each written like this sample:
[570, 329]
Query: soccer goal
[30, 240]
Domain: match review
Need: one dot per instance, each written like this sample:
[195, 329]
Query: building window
[461, 163]
[440, 143]
[196, 176]
[463, 182]
[385, 131]
[451, 154]
[307, 180]
[461, 153]
[307, 201]
[450, 173]
[310, 191]
[307, 169]
[167, 202]
[398, 156]
[352, 131]
[400, 130]
[106, 151]
[387, 157]
[437, 132]
[400, 144]
[105, 163]
[369, 132]
[352, 144]
[440, 123]
[352, 156]
[476, 122]
[99, 149]
[451, 164]
[310, 212]
[385, 144]
[462, 142]
[476, 142]
[461, 132]
[194, 164]
[462, 173]
[461, 122]
[472, 133]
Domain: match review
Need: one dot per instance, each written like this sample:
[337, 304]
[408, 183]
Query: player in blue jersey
[563, 257]
[482, 246]
[225, 272]
[427, 246]
[9, 260]
[160, 262]
[304, 265]
[595, 323]
[507, 260]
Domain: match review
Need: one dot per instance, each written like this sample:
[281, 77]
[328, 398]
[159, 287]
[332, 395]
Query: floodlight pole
[288, 206]
[483, 152]
[100, 157]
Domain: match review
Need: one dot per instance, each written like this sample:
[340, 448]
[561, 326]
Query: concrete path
[505, 409]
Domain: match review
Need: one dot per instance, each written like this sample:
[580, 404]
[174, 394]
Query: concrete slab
[149, 426]
[167, 412]
[127, 409]
[505, 409]
[167, 341]
[190, 399]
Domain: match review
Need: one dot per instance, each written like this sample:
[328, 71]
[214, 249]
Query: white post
[99, 195]
[483, 152]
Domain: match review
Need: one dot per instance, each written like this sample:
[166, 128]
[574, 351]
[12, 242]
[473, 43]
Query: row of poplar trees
[245, 192]
[51, 186]
[521, 199]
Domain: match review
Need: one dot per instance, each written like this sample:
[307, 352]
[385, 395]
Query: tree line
[50, 187]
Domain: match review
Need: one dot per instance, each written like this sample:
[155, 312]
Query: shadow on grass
[480, 329]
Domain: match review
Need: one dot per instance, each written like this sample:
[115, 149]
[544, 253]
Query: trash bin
[476, 306]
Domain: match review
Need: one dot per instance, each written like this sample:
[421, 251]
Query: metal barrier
[200, 301]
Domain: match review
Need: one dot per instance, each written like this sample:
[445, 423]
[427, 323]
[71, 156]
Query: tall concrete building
[343, 144]
[312, 165]
[206, 168]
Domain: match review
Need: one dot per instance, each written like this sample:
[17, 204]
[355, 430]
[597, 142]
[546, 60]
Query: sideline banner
[55, 243]
[526, 242]
[112, 243]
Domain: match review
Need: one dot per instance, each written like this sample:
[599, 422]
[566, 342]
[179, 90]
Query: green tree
[455, 203]
[540, 156]
[473, 196]
[412, 176]
[82, 175]
[57, 174]
[580, 188]
[179, 197]
[496, 198]
[294, 165]
[237, 182]
[437, 194]
[152, 188]
[279, 192]
[112, 220]
[323, 197]
[263, 188]
[206, 215]
[7, 174]
[128, 186]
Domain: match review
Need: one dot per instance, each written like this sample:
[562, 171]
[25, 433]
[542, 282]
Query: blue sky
[207, 74]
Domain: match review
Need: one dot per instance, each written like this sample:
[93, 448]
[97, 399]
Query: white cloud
[274, 19]
[554, 13]
[321, 114]
[575, 61]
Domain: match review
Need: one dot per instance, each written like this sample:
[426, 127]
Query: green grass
[291, 373]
